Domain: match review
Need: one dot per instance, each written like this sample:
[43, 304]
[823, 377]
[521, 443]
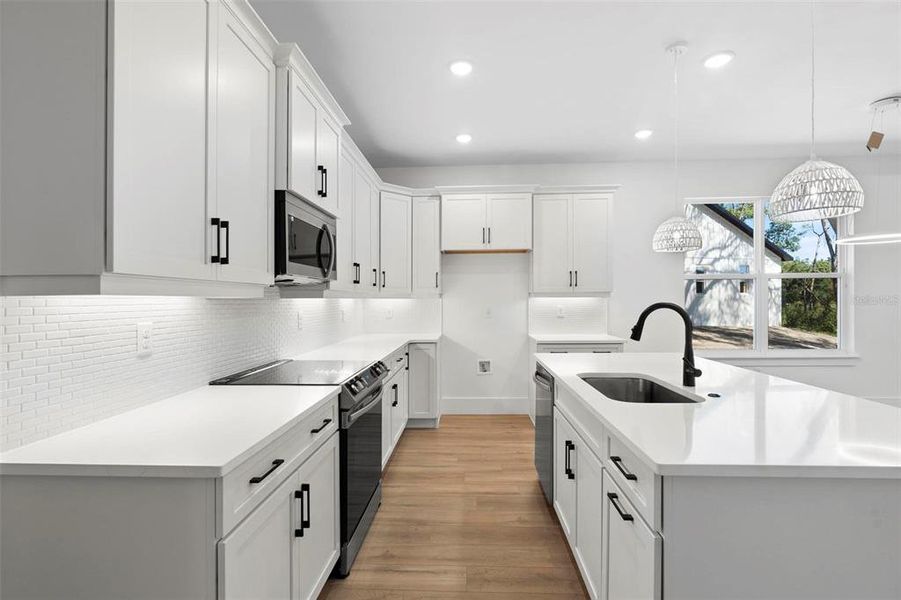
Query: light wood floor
[463, 516]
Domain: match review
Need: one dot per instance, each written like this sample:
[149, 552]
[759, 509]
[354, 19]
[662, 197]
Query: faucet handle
[690, 368]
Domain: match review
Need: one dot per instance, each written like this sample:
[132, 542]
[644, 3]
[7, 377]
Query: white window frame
[761, 354]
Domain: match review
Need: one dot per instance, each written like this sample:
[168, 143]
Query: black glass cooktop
[296, 372]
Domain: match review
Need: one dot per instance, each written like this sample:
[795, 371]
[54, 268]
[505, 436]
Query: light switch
[560, 312]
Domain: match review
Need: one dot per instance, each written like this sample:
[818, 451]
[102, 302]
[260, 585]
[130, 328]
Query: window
[763, 286]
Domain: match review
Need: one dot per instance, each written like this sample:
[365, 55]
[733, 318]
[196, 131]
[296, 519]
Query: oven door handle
[352, 417]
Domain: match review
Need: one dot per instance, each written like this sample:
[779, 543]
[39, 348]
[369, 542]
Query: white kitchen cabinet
[427, 245]
[395, 265]
[159, 205]
[565, 467]
[308, 132]
[486, 222]
[288, 545]
[346, 261]
[571, 254]
[387, 400]
[318, 512]
[631, 552]
[589, 517]
[423, 381]
[242, 153]
[354, 228]
[399, 406]
[374, 239]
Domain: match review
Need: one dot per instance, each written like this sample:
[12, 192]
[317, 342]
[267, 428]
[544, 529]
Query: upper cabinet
[308, 132]
[357, 209]
[395, 269]
[571, 254]
[486, 222]
[426, 245]
[188, 131]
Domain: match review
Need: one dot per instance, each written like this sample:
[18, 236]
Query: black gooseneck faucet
[689, 372]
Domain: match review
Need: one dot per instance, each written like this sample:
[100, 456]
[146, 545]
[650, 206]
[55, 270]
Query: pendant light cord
[813, 68]
[676, 53]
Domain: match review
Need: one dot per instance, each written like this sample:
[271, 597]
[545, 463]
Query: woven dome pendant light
[817, 189]
[676, 234]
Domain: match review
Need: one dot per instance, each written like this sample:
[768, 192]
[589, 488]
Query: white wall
[579, 315]
[485, 317]
[642, 276]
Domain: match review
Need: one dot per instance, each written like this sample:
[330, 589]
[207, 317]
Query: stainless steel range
[360, 404]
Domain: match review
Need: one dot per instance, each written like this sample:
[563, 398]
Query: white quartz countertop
[370, 347]
[202, 433]
[760, 426]
[576, 338]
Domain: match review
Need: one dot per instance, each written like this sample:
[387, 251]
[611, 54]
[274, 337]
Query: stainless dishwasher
[544, 430]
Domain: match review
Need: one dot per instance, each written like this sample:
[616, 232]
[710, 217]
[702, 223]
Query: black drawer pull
[568, 461]
[613, 500]
[394, 387]
[275, 464]
[325, 423]
[619, 465]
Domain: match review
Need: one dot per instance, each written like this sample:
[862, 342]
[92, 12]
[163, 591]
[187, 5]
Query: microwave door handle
[331, 251]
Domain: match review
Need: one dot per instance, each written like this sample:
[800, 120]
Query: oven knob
[374, 369]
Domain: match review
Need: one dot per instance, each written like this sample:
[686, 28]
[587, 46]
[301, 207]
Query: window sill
[792, 358]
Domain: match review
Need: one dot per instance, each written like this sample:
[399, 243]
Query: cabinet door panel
[400, 410]
[552, 256]
[346, 258]
[589, 518]
[159, 214]
[255, 560]
[426, 244]
[423, 381]
[509, 221]
[244, 114]
[387, 441]
[327, 136]
[631, 550]
[363, 228]
[565, 460]
[303, 178]
[374, 240]
[318, 548]
[463, 222]
[590, 236]
[395, 243]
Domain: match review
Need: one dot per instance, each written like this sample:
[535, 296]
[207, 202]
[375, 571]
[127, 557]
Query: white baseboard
[462, 405]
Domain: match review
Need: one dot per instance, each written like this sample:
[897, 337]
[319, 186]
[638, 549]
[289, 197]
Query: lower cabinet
[632, 551]
[287, 547]
[618, 554]
[423, 381]
[399, 407]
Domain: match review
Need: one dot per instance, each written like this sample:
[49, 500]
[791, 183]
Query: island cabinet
[163, 153]
[267, 528]
[500, 222]
[571, 254]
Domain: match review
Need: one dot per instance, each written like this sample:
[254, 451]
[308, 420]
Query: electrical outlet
[389, 314]
[343, 316]
[483, 367]
[299, 320]
[145, 339]
[560, 312]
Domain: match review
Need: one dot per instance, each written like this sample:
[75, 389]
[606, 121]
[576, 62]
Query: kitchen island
[760, 488]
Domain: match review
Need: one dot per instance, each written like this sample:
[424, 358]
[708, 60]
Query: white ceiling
[572, 81]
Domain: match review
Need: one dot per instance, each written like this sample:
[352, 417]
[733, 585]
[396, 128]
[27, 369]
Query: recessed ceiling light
[464, 138]
[718, 60]
[461, 68]
[643, 134]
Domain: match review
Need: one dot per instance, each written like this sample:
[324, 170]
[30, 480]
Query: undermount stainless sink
[636, 389]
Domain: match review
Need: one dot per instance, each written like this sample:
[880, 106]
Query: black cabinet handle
[325, 423]
[304, 521]
[356, 272]
[577, 279]
[436, 279]
[407, 356]
[613, 500]
[567, 461]
[224, 259]
[394, 387]
[375, 278]
[483, 235]
[570, 279]
[275, 464]
[489, 235]
[321, 191]
[325, 185]
[383, 279]
[619, 465]
[214, 221]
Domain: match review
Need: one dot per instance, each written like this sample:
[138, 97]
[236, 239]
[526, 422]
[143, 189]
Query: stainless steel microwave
[305, 242]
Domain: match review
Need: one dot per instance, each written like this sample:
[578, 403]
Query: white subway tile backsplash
[66, 361]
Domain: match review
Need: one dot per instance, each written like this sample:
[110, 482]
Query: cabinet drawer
[397, 361]
[640, 484]
[241, 490]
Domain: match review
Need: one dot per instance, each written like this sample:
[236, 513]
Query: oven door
[307, 243]
[361, 460]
